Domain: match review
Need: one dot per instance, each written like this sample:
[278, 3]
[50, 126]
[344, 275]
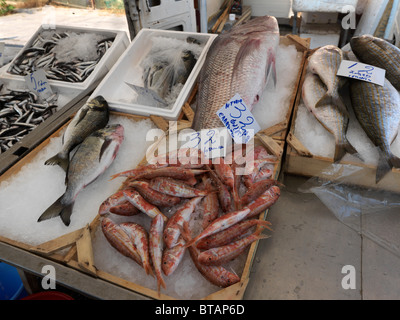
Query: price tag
[238, 119]
[37, 82]
[212, 142]
[2, 49]
[361, 71]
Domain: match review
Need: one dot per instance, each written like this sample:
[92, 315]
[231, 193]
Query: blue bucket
[11, 286]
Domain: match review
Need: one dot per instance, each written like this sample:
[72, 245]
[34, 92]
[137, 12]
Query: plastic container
[122, 98]
[11, 286]
[119, 45]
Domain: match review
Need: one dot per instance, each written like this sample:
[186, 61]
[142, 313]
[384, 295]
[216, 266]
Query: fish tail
[384, 166]
[65, 214]
[341, 149]
[394, 161]
[58, 159]
[53, 211]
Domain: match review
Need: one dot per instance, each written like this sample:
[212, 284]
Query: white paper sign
[37, 82]
[361, 71]
[2, 49]
[238, 119]
[212, 142]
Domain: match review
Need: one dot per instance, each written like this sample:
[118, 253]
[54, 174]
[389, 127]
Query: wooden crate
[300, 161]
[76, 251]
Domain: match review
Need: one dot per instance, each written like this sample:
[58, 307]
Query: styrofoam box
[122, 98]
[120, 43]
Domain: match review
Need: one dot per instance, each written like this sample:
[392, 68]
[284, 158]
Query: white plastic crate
[122, 98]
[120, 43]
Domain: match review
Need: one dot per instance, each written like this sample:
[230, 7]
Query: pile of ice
[275, 101]
[27, 194]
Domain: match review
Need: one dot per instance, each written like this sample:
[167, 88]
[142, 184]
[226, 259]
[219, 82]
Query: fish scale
[238, 61]
[377, 109]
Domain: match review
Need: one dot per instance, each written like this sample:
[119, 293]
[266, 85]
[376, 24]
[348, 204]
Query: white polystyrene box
[122, 98]
[120, 43]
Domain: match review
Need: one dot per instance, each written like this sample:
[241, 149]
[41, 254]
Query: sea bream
[325, 63]
[330, 116]
[93, 156]
[94, 115]
[379, 53]
[239, 61]
[377, 109]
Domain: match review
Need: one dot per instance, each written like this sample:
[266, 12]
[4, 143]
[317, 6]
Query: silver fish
[93, 116]
[239, 61]
[331, 117]
[325, 63]
[93, 156]
[377, 109]
[380, 53]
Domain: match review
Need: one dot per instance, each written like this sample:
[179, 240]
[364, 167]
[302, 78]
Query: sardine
[93, 156]
[325, 63]
[329, 115]
[239, 61]
[93, 116]
[380, 53]
[377, 109]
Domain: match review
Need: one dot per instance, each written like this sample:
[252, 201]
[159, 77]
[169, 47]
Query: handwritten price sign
[37, 82]
[361, 71]
[212, 142]
[238, 119]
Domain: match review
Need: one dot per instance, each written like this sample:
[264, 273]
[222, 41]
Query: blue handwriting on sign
[38, 86]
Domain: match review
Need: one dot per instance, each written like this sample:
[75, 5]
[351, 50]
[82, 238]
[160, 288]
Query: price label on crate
[37, 82]
[361, 71]
[238, 119]
[212, 142]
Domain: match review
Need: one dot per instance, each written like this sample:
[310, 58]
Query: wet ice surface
[275, 101]
[25, 196]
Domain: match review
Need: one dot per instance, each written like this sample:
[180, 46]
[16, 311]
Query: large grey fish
[93, 156]
[93, 116]
[238, 61]
[332, 118]
[325, 62]
[380, 53]
[377, 109]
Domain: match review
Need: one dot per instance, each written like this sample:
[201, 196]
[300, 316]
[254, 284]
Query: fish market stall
[311, 147]
[107, 210]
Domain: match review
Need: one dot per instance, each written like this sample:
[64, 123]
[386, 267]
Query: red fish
[172, 257]
[176, 188]
[156, 248]
[210, 205]
[267, 199]
[116, 203]
[154, 197]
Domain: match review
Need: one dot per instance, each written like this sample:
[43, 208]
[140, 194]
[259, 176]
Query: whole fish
[139, 202]
[224, 195]
[256, 190]
[140, 239]
[94, 115]
[221, 223]
[120, 240]
[156, 248]
[226, 253]
[325, 63]
[377, 109]
[172, 257]
[172, 230]
[153, 196]
[332, 118]
[176, 188]
[217, 275]
[117, 204]
[380, 53]
[172, 172]
[210, 205]
[239, 61]
[93, 156]
[267, 199]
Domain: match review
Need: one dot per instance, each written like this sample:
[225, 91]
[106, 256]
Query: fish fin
[271, 69]
[58, 160]
[65, 214]
[148, 93]
[333, 99]
[82, 114]
[384, 166]
[263, 236]
[341, 149]
[104, 146]
[53, 211]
